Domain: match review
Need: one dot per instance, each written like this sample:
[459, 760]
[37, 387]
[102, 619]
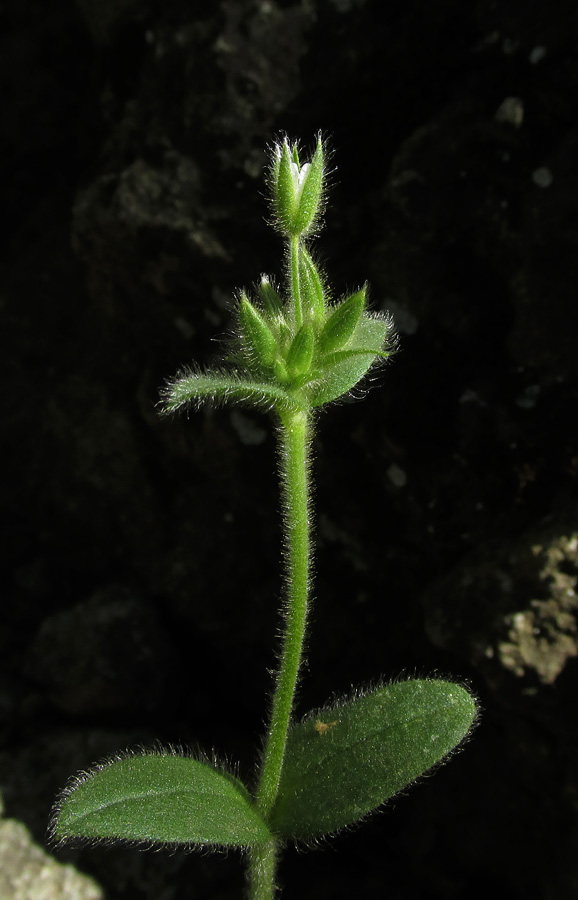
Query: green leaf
[347, 759]
[341, 324]
[159, 799]
[222, 387]
[338, 375]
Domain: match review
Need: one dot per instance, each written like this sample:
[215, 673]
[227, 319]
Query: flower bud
[297, 189]
[301, 352]
[270, 299]
[256, 334]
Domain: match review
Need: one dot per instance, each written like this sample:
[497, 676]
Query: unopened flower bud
[301, 352]
[256, 334]
[297, 189]
[270, 299]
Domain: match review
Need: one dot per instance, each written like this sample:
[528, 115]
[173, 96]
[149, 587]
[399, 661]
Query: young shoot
[293, 352]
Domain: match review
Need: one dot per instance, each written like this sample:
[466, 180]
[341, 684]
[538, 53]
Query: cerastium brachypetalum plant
[293, 352]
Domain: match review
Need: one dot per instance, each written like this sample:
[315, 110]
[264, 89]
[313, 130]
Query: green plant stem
[295, 478]
[294, 466]
[295, 280]
[262, 865]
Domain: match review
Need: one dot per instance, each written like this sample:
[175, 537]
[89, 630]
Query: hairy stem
[262, 864]
[295, 478]
[294, 248]
[294, 466]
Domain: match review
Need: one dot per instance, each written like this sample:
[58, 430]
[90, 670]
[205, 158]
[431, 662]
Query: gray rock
[27, 872]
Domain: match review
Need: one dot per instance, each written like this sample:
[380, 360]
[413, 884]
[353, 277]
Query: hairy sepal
[158, 799]
[345, 760]
[312, 291]
[283, 186]
[257, 339]
[311, 195]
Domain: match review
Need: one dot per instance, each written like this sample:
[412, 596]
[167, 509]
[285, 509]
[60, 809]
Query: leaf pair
[336, 374]
[341, 763]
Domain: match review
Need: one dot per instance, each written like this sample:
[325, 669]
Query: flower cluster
[293, 348]
[314, 350]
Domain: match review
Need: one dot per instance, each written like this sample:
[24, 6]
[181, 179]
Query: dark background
[141, 556]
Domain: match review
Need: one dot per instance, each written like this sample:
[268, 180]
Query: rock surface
[28, 872]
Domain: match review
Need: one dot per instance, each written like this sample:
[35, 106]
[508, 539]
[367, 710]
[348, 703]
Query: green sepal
[310, 195]
[285, 335]
[258, 339]
[345, 760]
[342, 322]
[159, 799]
[284, 186]
[280, 371]
[301, 352]
[312, 294]
[340, 372]
[270, 299]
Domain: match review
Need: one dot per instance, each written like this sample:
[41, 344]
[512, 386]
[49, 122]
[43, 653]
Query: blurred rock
[106, 654]
[27, 872]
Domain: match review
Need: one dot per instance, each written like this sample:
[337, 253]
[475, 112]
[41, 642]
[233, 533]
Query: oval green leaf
[159, 799]
[349, 758]
[344, 369]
